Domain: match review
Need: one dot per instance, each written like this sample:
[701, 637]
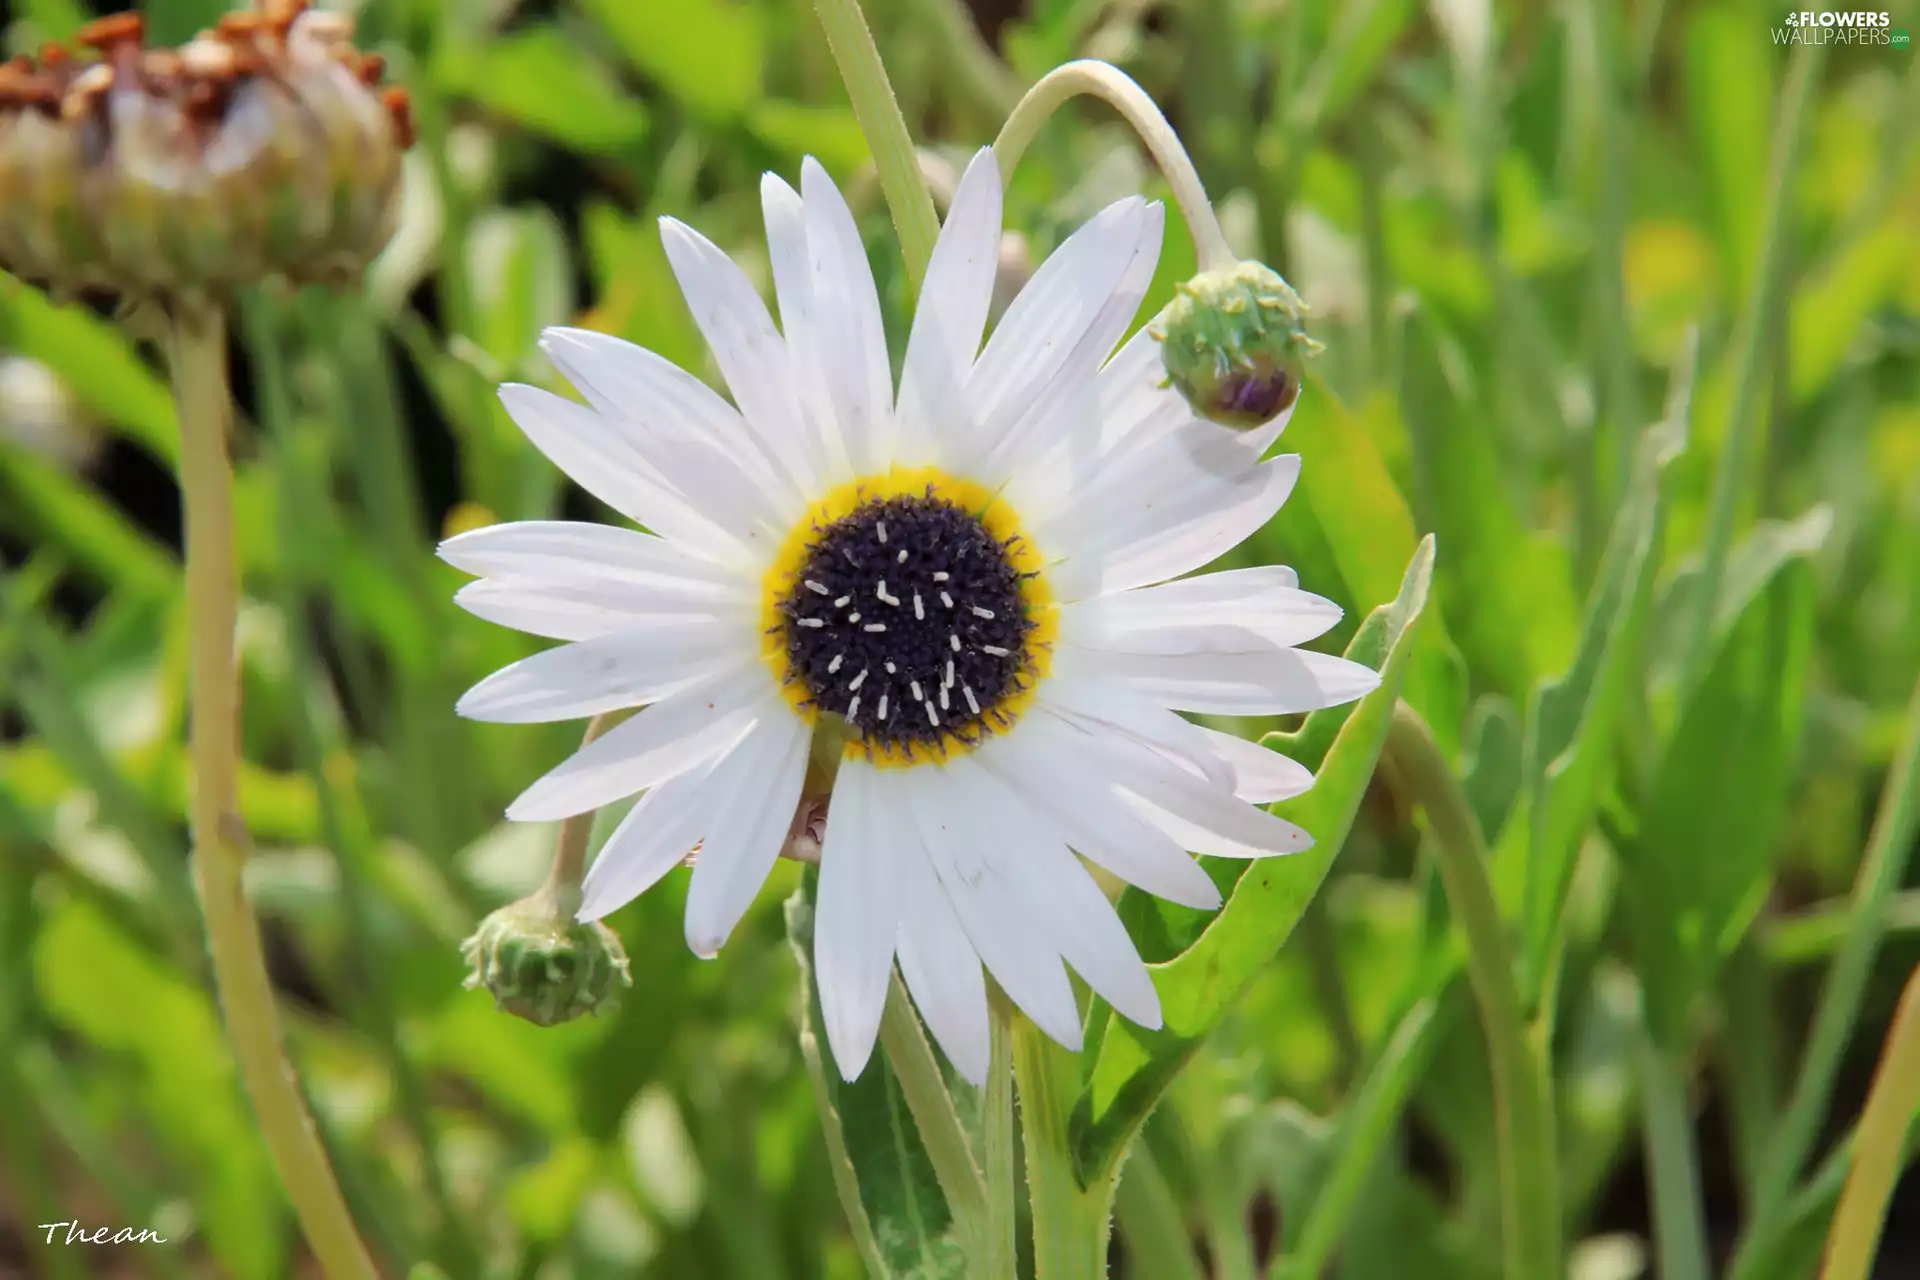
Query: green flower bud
[265, 147]
[543, 965]
[1232, 343]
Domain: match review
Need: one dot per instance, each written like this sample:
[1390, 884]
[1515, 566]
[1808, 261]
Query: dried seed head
[544, 966]
[1232, 343]
[265, 147]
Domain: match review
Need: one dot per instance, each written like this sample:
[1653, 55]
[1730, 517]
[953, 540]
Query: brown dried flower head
[265, 147]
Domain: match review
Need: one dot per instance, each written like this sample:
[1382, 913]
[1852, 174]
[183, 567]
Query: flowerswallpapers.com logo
[1828, 26]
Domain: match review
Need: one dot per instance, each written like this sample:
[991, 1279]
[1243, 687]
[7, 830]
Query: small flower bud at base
[1232, 343]
[544, 966]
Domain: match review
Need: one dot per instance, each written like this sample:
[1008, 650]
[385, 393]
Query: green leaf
[1729, 77]
[829, 134]
[1135, 1065]
[900, 1219]
[105, 989]
[1573, 721]
[709, 54]
[1348, 493]
[514, 77]
[1520, 625]
[1703, 858]
[51, 509]
[1491, 762]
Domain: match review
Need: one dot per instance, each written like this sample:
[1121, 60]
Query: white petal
[952, 312]
[857, 919]
[755, 807]
[693, 437]
[1277, 682]
[939, 965]
[1098, 706]
[581, 609]
[853, 345]
[800, 324]
[1260, 775]
[667, 739]
[629, 668]
[1036, 759]
[1214, 612]
[1175, 532]
[654, 838]
[1076, 917]
[750, 351]
[999, 921]
[1052, 330]
[1200, 817]
[600, 460]
[564, 550]
[1067, 403]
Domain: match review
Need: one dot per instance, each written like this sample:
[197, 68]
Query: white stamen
[816, 588]
[902, 557]
[883, 706]
[949, 679]
[891, 669]
[941, 577]
[946, 600]
[853, 685]
[978, 612]
[993, 649]
[854, 616]
[880, 527]
[839, 658]
[917, 695]
[875, 626]
[843, 602]
[810, 622]
[885, 595]
[933, 717]
[971, 701]
[945, 700]
[919, 610]
[955, 642]
[853, 708]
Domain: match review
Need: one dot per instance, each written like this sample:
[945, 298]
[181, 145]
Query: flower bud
[1232, 343]
[264, 147]
[543, 965]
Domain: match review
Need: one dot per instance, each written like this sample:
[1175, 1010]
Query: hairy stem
[1115, 87]
[1879, 1148]
[1523, 1105]
[198, 348]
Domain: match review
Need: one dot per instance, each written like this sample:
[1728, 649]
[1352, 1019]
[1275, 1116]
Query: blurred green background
[1508, 218]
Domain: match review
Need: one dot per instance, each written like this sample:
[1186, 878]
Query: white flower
[964, 573]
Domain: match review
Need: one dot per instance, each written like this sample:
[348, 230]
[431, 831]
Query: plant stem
[1749, 378]
[913, 1063]
[878, 112]
[1002, 1209]
[198, 353]
[1889, 848]
[1678, 1218]
[1070, 1222]
[1115, 87]
[1879, 1146]
[569, 865]
[1523, 1105]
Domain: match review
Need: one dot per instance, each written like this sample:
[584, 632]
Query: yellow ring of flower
[1000, 522]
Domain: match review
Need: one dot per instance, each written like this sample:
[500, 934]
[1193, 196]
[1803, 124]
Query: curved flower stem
[198, 349]
[1115, 87]
[874, 105]
[1523, 1105]
[569, 865]
[1879, 1146]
